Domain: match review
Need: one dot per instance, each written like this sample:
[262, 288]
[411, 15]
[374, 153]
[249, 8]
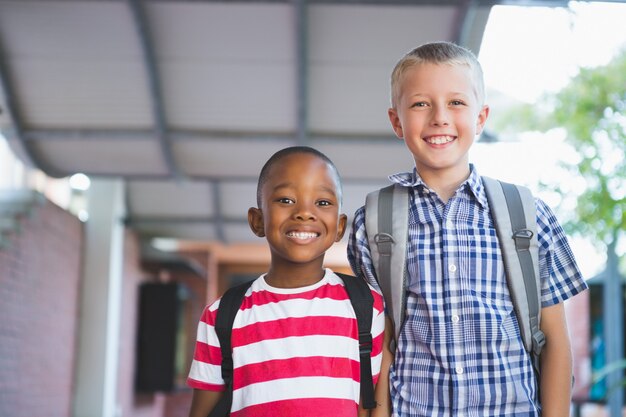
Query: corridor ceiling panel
[185, 100]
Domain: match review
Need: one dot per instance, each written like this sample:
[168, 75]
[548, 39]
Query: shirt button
[459, 370]
[452, 268]
[455, 319]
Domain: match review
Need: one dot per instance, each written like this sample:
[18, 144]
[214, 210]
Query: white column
[99, 319]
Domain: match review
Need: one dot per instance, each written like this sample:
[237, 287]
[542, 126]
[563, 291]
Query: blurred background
[132, 133]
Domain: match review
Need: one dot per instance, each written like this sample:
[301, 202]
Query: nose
[440, 116]
[304, 211]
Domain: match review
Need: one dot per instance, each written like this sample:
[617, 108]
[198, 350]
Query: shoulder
[544, 212]
[359, 216]
[397, 195]
[376, 295]
[547, 222]
[241, 292]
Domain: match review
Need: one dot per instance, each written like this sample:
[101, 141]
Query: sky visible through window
[527, 51]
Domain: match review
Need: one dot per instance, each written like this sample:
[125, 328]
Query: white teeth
[302, 235]
[440, 140]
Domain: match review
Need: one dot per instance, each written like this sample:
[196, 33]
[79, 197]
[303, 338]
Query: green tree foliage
[592, 111]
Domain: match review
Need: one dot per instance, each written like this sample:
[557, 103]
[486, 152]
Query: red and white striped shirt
[295, 351]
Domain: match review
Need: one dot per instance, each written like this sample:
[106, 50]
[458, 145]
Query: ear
[395, 122]
[482, 119]
[255, 220]
[341, 227]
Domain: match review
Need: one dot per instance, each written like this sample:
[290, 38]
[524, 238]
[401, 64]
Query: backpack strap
[387, 225]
[514, 215]
[363, 304]
[230, 304]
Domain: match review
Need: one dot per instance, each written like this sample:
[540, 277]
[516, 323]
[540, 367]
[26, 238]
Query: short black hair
[292, 150]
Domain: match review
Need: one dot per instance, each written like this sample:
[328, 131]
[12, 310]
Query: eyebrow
[330, 190]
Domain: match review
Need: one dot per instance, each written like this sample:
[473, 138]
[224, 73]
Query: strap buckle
[522, 238]
[227, 370]
[365, 343]
[384, 241]
[539, 339]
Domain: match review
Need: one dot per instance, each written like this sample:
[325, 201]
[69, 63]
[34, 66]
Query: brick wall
[39, 287]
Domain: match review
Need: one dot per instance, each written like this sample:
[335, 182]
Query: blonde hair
[437, 53]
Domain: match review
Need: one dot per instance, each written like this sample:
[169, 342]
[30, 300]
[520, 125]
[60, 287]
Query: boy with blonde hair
[459, 350]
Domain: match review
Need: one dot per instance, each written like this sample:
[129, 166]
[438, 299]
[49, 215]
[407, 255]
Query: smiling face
[299, 216]
[438, 116]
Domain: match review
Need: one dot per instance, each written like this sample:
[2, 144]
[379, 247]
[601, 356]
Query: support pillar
[100, 305]
[613, 331]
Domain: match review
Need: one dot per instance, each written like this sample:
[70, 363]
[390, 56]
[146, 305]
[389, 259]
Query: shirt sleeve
[206, 367]
[378, 333]
[359, 254]
[560, 276]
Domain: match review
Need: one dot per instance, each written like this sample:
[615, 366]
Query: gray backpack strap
[387, 225]
[514, 214]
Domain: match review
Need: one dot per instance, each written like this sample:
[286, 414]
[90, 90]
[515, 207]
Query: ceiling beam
[545, 3]
[525, 3]
[176, 135]
[464, 20]
[139, 221]
[302, 73]
[12, 109]
[154, 85]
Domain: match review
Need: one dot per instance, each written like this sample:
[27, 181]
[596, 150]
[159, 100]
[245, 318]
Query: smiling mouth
[439, 140]
[302, 235]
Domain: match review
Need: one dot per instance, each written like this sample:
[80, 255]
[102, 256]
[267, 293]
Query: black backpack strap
[363, 304]
[226, 312]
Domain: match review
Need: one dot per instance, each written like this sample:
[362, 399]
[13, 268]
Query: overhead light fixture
[80, 182]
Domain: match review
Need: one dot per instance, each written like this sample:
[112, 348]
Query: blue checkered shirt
[460, 352]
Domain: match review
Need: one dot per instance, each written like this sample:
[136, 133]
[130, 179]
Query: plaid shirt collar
[473, 183]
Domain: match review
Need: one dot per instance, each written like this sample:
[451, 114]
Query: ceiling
[186, 100]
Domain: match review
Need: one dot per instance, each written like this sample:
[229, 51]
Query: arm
[556, 363]
[205, 373]
[203, 401]
[383, 398]
[561, 279]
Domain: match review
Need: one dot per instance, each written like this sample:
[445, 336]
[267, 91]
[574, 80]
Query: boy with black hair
[459, 350]
[295, 342]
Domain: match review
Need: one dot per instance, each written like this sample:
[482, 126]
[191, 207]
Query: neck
[444, 182]
[294, 276]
